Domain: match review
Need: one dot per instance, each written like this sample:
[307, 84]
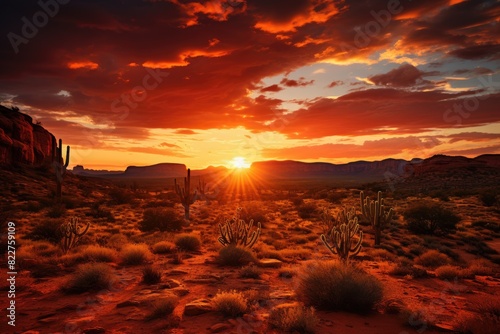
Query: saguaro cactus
[376, 213]
[342, 238]
[186, 197]
[237, 232]
[72, 232]
[60, 165]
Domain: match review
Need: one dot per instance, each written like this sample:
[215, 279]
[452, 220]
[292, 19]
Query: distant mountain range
[388, 168]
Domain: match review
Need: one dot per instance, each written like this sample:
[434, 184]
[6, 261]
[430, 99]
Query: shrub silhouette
[230, 303]
[430, 218]
[235, 256]
[335, 286]
[90, 277]
[162, 219]
[188, 242]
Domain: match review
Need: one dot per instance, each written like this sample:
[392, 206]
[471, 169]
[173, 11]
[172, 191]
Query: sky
[202, 82]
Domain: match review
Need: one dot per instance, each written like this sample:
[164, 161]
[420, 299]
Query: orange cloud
[83, 64]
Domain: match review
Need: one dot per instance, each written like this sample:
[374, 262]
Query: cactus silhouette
[237, 232]
[60, 165]
[375, 212]
[72, 232]
[186, 197]
[342, 236]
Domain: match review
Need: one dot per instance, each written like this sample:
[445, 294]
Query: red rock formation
[21, 141]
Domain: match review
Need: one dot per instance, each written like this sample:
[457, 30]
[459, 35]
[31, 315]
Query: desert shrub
[485, 321]
[48, 230]
[307, 210]
[163, 307]
[416, 249]
[408, 270]
[297, 201]
[477, 246]
[151, 275]
[380, 254]
[96, 211]
[480, 267]
[230, 303]
[163, 247]
[120, 196]
[293, 318]
[56, 211]
[90, 276]
[334, 286]
[134, 254]
[430, 218]
[250, 271]
[255, 211]
[32, 206]
[99, 254]
[37, 249]
[117, 241]
[488, 225]
[449, 272]
[488, 198]
[188, 242]
[234, 256]
[432, 259]
[160, 219]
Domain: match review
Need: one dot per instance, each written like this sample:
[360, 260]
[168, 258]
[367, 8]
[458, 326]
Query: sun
[240, 163]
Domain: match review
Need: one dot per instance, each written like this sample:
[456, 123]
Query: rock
[197, 307]
[394, 306]
[95, 330]
[176, 272]
[127, 303]
[217, 328]
[21, 141]
[180, 292]
[172, 283]
[270, 263]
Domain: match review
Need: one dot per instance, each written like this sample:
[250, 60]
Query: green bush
[293, 318]
[334, 286]
[430, 218]
[160, 219]
[188, 242]
[230, 303]
[90, 277]
[234, 256]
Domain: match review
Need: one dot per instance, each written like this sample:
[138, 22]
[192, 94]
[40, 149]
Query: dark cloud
[405, 75]
[296, 83]
[271, 88]
[335, 83]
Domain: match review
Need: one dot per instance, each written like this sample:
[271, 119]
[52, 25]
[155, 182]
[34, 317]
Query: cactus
[60, 165]
[341, 236]
[71, 233]
[329, 222]
[237, 232]
[376, 213]
[186, 197]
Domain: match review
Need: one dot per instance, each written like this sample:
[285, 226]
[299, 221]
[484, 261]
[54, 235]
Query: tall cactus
[376, 213]
[341, 236]
[60, 165]
[71, 233]
[186, 197]
[237, 232]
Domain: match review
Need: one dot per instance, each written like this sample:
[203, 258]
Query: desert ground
[128, 275]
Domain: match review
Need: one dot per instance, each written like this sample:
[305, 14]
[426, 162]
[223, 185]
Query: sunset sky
[201, 82]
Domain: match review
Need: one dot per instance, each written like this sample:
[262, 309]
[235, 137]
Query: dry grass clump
[380, 254]
[230, 303]
[250, 271]
[160, 219]
[235, 256]
[90, 277]
[163, 247]
[188, 242]
[333, 286]
[163, 307]
[135, 254]
[486, 321]
[449, 272]
[481, 267]
[293, 318]
[151, 275]
[432, 259]
[99, 254]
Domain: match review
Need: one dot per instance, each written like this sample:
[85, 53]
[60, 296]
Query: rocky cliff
[21, 141]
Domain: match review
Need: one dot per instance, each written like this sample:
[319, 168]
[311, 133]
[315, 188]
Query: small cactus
[237, 232]
[342, 236]
[376, 213]
[186, 197]
[71, 233]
